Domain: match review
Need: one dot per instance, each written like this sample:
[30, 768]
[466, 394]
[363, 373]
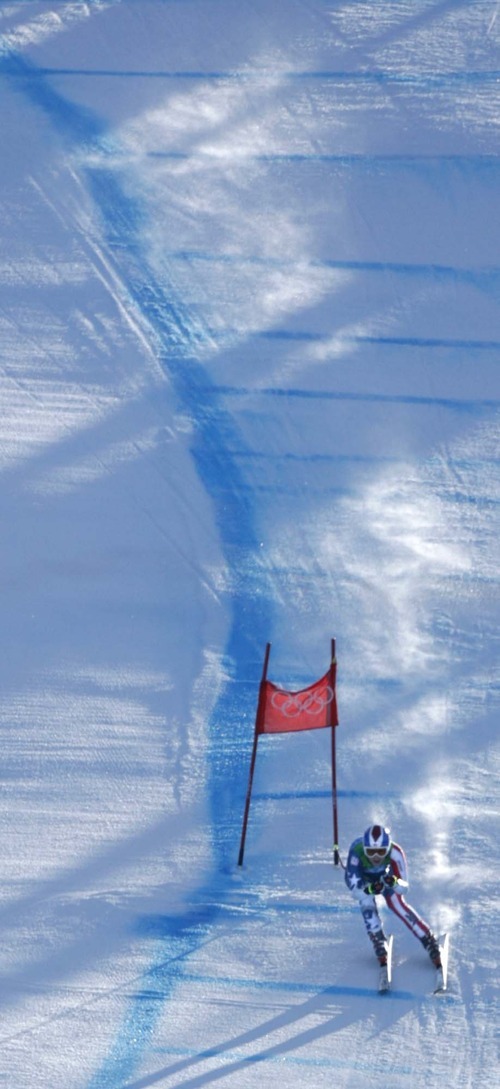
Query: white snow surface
[250, 390]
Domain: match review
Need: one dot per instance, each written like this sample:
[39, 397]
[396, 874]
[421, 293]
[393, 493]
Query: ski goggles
[376, 852]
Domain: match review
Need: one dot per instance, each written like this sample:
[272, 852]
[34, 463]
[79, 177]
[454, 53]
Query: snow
[249, 392]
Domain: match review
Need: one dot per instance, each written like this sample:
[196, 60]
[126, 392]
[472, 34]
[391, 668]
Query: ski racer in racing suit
[376, 866]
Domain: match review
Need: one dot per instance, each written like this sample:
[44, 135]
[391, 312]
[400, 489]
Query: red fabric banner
[309, 709]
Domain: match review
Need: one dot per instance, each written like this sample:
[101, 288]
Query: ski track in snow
[427, 521]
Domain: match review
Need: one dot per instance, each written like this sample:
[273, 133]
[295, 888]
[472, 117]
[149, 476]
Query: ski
[441, 983]
[385, 972]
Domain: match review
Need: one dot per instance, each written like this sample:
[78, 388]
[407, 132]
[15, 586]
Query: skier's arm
[398, 865]
[353, 875]
[390, 881]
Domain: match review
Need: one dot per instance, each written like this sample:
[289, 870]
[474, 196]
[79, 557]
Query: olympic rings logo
[291, 704]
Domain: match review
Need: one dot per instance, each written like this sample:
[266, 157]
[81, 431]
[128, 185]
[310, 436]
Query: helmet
[377, 841]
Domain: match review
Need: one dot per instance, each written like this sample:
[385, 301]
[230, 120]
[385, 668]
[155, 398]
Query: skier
[376, 866]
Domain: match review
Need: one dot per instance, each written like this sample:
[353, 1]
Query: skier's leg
[415, 923]
[404, 911]
[371, 919]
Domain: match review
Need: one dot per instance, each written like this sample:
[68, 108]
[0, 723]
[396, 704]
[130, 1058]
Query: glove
[374, 888]
[390, 881]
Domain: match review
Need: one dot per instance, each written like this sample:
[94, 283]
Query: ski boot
[431, 946]
[379, 942]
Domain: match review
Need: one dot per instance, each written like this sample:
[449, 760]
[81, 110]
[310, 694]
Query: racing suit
[362, 874]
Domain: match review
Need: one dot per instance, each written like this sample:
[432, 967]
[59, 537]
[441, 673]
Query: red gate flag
[280, 712]
[309, 709]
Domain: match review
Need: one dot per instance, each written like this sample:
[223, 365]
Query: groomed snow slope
[249, 381]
